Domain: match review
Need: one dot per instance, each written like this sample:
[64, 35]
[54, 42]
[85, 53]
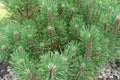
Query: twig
[27, 9]
[20, 12]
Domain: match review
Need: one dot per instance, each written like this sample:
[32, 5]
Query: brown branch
[32, 11]
[27, 9]
[20, 12]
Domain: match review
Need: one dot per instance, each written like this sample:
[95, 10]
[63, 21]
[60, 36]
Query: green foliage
[60, 39]
[55, 67]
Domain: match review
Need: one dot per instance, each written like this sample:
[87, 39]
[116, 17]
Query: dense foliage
[60, 39]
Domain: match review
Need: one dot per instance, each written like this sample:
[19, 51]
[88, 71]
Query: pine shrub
[60, 39]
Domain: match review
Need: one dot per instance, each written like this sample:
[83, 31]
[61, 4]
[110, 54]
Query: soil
[110, 72]
[6, 73]
[3, 69]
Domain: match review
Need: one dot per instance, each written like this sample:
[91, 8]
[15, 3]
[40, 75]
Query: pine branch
[88, 49]
[33, 10]
[67, 50]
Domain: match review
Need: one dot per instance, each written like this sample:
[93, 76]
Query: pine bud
[100, 3]
[73, 51]
[30, 40]
[82, 68]
[63, 5]
[62, 9]
[41, 47]
[77, 3]
[15, 36]
[109, 10]
[75, 31]
[51, 69]
[65, 60]
[104, 26]
[27, 8]
[4, 48]
[116, 26]
[50, 32]
[88, 48]
[71, 14]
[89, 11]
[28, 73]
[66, 39]
[20, 49]
[20, 62]
[99, 49]
[98, 10]
[106, 41]
[50, 16]
[59, 30]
